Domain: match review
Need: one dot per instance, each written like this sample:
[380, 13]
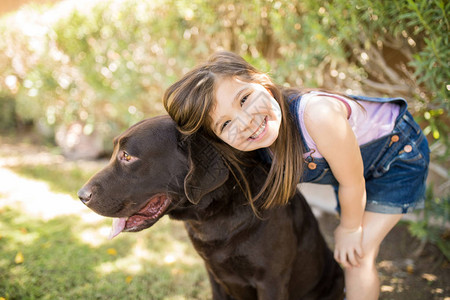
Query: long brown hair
[190, 100]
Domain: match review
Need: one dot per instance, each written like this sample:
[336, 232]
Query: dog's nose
[84, 195]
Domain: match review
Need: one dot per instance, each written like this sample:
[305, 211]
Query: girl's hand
[348, 249]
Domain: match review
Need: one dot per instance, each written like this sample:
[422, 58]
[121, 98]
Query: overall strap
[294, 103]
[399, 101]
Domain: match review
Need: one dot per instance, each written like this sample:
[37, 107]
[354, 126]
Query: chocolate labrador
[155, 171]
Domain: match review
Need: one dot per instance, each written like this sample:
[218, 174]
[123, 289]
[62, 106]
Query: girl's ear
[207, 171]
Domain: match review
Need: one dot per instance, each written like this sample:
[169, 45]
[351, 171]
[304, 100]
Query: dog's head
[152, 171]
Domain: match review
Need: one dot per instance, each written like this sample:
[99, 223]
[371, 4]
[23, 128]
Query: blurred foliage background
[93, 68]
[106, 64]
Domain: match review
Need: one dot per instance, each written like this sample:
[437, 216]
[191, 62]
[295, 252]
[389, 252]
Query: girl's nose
[244, 121]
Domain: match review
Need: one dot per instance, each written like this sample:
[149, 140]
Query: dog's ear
[207, 170]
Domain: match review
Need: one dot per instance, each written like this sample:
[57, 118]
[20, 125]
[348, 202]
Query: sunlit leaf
[19, 258]
[128, 279]
[410, 268]
[429, 277]
[387, 288]
[436, 134]
[111, 251]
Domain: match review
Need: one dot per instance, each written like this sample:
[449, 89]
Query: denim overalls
[395, 165]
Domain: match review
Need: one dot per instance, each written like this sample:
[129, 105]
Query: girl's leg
[362, 282]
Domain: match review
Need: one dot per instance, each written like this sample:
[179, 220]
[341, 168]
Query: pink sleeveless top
[369, 122]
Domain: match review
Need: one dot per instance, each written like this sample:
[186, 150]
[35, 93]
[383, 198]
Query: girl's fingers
[353, 260]
[360, 252]
[336, 255]
[343, 259]
[347, 259]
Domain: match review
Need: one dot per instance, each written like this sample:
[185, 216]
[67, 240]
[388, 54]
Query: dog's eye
[126, 156]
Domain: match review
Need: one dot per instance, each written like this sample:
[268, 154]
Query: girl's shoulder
[318, 108]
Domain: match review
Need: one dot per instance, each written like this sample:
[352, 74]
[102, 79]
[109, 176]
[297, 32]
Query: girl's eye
[244, 99]
[224, 125]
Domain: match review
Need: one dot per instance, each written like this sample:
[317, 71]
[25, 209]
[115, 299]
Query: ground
[405, 272]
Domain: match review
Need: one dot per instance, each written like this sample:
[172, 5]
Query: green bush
[109, 63]
[7, 113]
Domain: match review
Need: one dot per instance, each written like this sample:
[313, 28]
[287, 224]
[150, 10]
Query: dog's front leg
[218, 293]
[275, 288]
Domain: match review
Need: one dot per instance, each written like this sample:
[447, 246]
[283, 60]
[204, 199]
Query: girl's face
[245, 116]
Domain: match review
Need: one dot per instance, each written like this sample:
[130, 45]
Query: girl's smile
[245, 116]
[261, 130]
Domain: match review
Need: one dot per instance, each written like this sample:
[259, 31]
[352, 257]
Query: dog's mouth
[144, 218]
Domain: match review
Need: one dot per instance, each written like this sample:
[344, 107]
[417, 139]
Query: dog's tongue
[117, 226]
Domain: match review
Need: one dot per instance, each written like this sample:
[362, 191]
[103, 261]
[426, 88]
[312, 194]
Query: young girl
[369, 149]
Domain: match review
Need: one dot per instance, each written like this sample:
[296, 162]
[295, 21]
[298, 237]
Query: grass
[61, 178]
[69, 257]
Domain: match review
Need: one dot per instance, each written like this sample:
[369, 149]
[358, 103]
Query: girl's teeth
[260, 130]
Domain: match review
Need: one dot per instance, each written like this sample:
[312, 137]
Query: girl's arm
[326, 121]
